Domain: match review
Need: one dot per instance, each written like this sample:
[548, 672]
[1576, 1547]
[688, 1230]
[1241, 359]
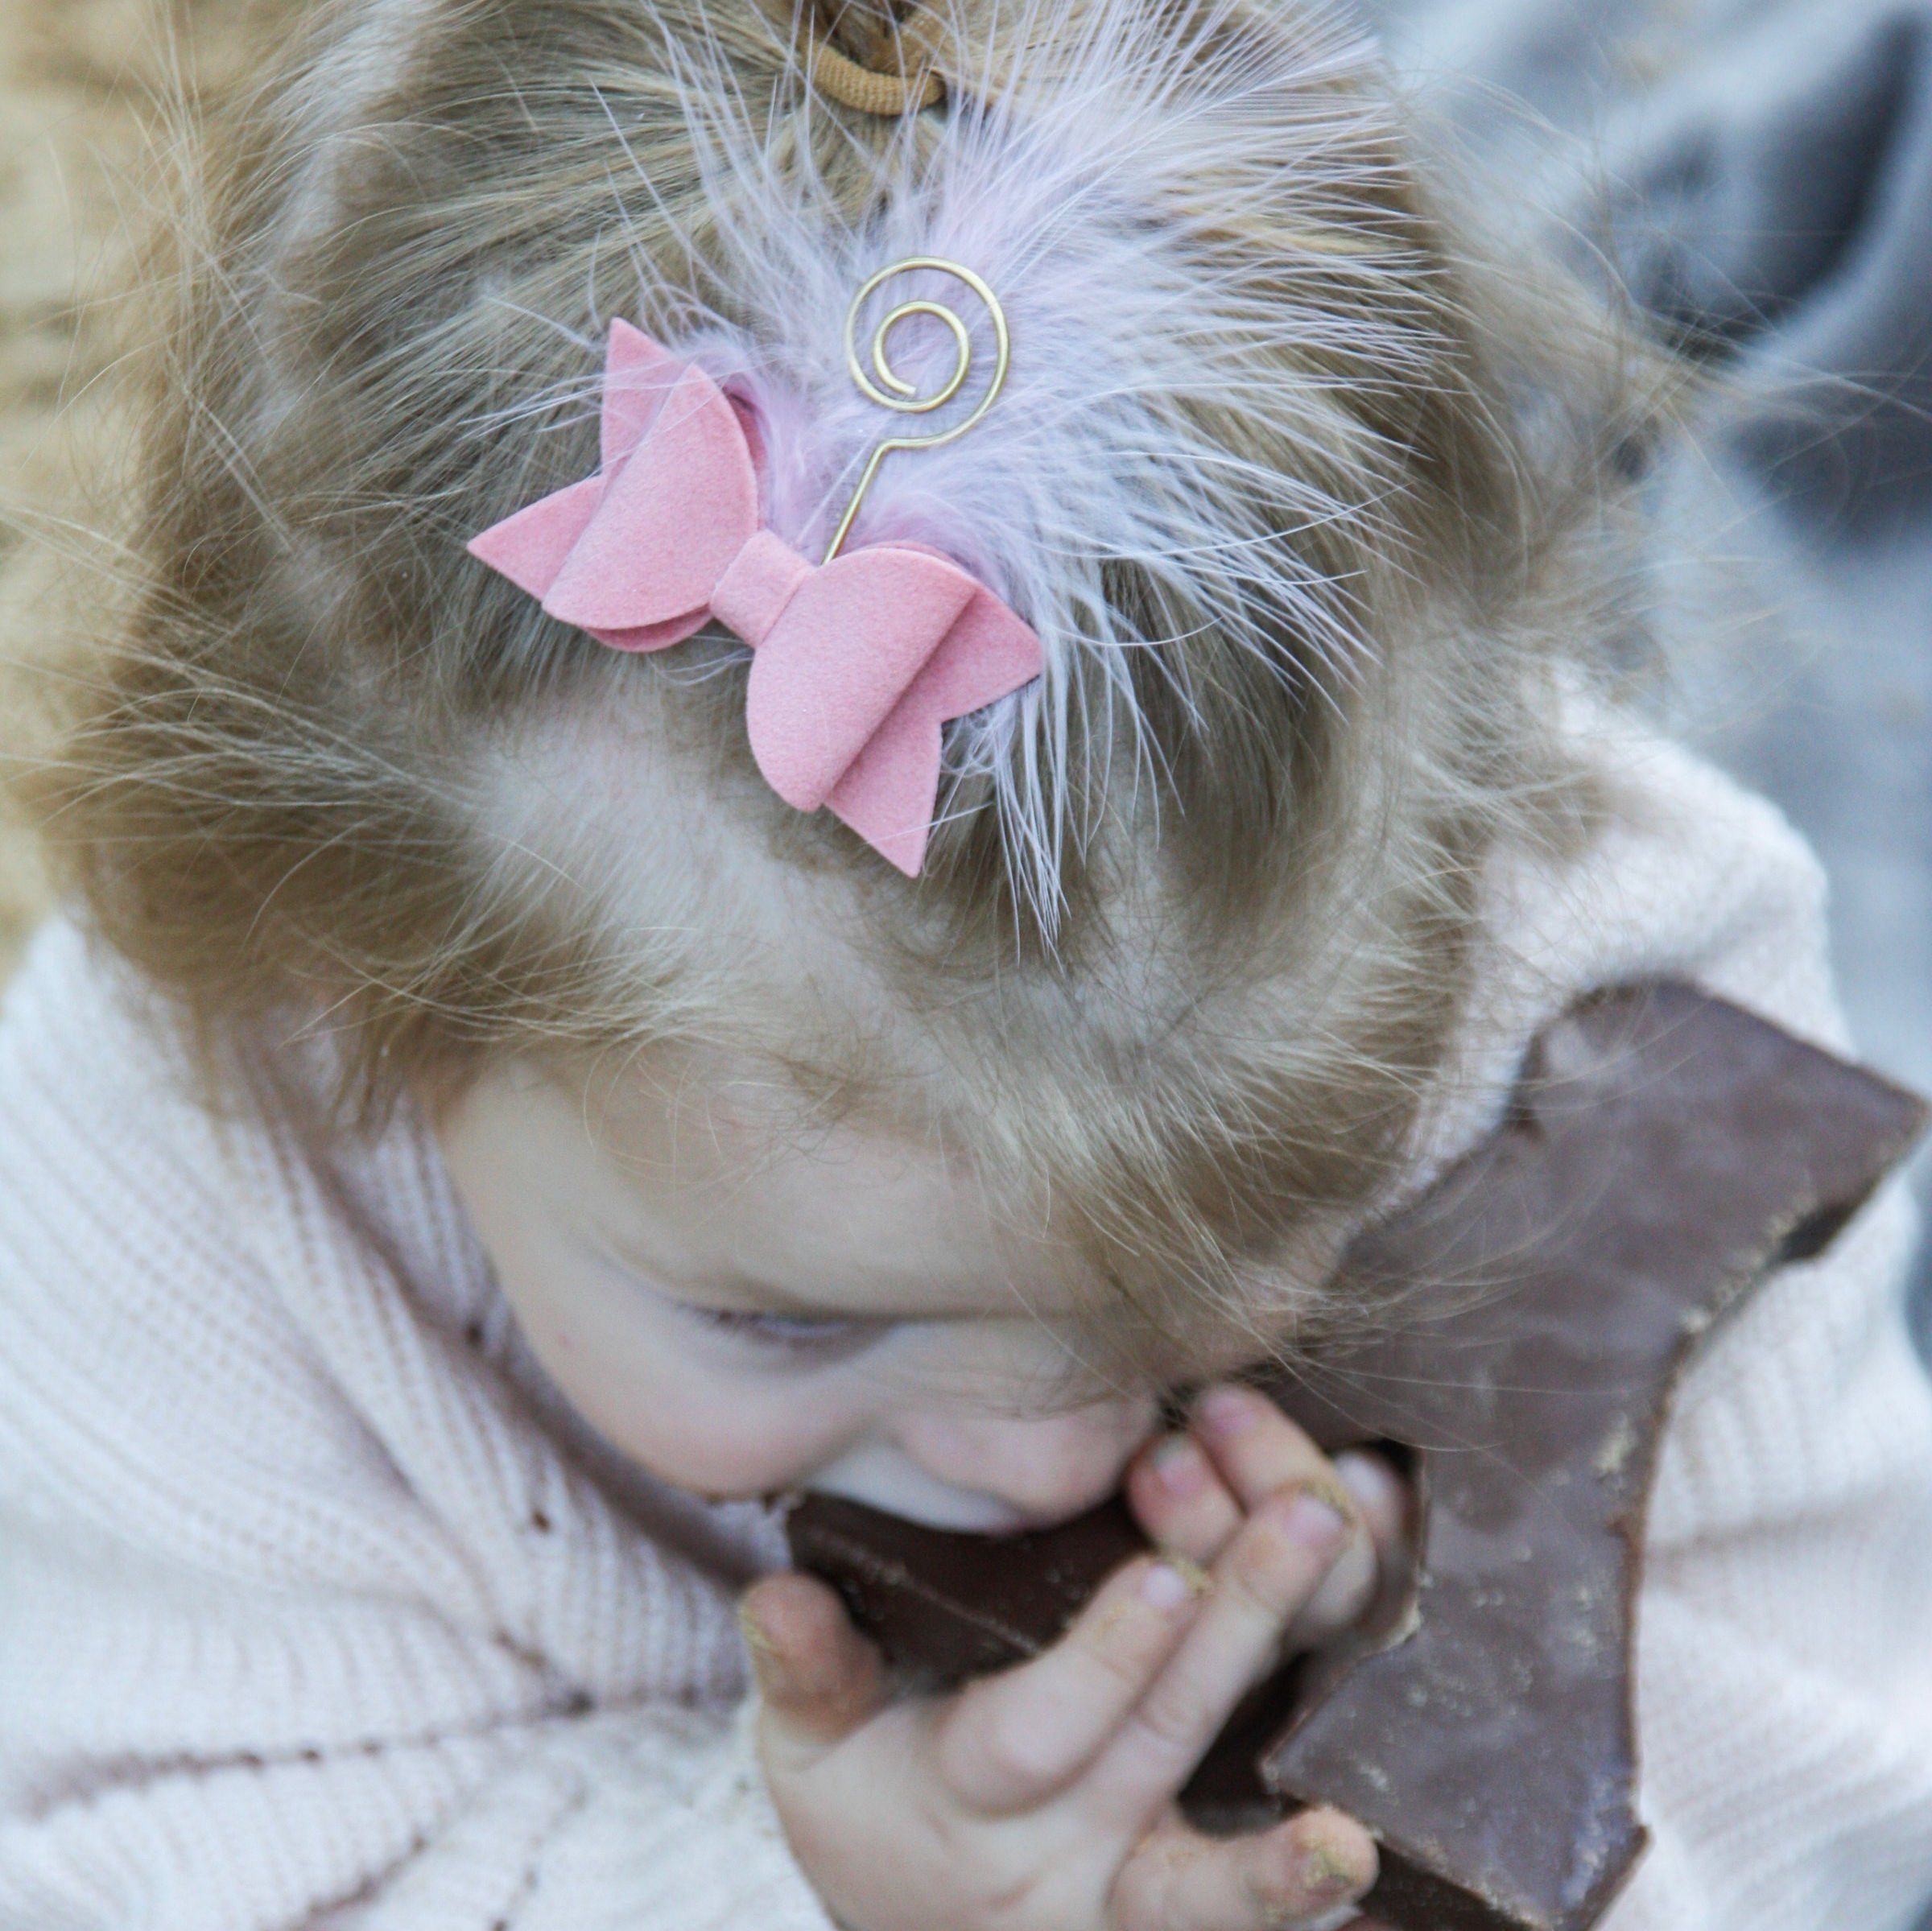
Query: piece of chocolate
[1664, 1151]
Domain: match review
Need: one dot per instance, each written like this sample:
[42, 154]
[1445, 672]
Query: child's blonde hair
[1304, 504]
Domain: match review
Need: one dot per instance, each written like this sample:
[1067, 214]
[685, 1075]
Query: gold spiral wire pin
[891, 390]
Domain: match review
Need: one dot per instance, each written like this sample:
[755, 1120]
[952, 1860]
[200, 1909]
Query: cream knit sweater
[315, 1610]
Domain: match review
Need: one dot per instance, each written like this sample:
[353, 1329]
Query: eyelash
[783, 1330]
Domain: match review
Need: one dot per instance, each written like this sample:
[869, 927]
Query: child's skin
[743, 1313]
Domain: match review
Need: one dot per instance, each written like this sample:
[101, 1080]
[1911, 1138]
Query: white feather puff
[1104, 201]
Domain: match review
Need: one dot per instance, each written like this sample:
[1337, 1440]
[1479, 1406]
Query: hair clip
[858, 661]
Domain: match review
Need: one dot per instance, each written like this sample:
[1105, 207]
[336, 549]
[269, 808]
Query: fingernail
[1226, 1411]
[1337, 1917]
[1327, 1873]
[753, 1632]
[1312, 1520]
[1367, 1478]
[1200, 1583]
[767, 1660]
[1179, 1467]
[1165, 1588]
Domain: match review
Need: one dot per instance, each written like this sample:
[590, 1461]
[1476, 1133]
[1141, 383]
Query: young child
[627, 958]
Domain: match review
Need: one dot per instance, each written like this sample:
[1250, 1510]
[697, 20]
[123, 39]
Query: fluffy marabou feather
[1114, 200]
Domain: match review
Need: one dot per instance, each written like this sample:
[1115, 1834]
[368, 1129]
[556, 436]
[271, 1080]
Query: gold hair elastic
[910, 84]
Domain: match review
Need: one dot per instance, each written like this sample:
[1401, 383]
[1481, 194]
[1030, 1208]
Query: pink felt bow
[858, 661]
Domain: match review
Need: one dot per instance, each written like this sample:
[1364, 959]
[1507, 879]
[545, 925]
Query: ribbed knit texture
[316, 1610]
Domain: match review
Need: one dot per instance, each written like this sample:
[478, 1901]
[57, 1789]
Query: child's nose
[1044, 1467]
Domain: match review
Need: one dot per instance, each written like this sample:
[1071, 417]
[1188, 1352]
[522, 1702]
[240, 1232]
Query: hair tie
[870, 89]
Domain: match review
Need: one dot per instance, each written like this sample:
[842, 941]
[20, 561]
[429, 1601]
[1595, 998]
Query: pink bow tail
[859, 666]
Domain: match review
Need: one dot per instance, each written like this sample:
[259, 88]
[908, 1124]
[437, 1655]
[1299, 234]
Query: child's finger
[1181, 1502]
[1270, 1572]
[1256, 1448]
[1301, 1873]
[1375, 1538]
[1187, 1504]
[818, 1679]
[1011, 1740]
[1381, 1498]
[1184, 1504]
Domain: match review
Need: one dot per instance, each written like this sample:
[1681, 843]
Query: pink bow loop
[860, 662]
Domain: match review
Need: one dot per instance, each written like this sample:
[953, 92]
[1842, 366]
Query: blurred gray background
[1761, 172]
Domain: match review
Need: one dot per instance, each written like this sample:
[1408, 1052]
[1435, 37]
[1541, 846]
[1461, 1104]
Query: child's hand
[1189, 1507]
[1043, 1799]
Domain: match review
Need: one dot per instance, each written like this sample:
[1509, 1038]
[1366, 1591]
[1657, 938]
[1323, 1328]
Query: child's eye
[790, 1330]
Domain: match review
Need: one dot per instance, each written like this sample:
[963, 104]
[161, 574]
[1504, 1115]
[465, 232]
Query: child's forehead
[717, 1178]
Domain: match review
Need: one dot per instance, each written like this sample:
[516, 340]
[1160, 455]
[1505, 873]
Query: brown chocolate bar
[1664, 1151]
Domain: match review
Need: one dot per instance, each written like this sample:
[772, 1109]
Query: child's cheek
[733, 1448]
[694, 1423]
